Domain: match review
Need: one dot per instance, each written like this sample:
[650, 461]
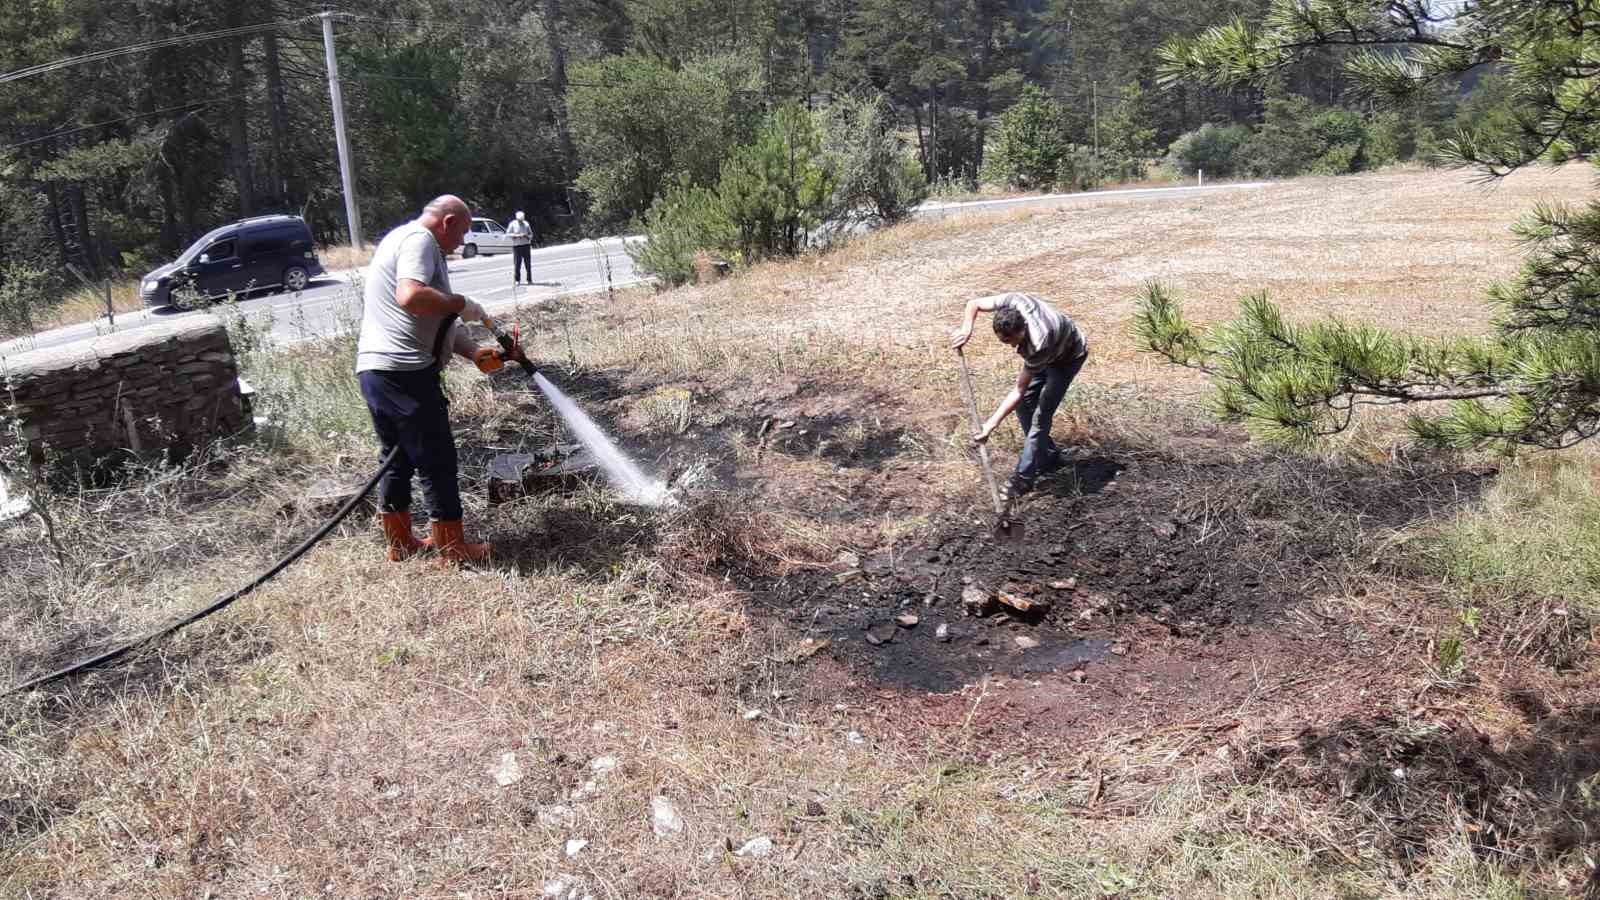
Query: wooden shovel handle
[983, 449]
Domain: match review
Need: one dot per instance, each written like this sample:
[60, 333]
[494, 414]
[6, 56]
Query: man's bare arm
[420, 299]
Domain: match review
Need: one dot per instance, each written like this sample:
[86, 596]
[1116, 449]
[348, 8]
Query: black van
[266, 253]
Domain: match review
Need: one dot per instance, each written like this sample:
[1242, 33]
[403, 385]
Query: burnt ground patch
[1196, 542]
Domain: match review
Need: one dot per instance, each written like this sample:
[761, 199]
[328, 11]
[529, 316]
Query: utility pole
[351, 211]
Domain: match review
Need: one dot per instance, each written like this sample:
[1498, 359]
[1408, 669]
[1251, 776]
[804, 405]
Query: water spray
[623, 473]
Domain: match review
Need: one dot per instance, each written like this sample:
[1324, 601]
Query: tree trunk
[80, 211]
[169, 218]
[277, 187]
[922, 146]
[238, 130]
[54, 196]
[558, 85]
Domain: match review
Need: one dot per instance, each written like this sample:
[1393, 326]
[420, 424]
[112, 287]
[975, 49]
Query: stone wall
[169, 388]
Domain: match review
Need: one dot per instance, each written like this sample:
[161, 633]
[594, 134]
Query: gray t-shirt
[1052, 336]
[393, 340]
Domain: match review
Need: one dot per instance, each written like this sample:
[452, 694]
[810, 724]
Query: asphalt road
[331, 303]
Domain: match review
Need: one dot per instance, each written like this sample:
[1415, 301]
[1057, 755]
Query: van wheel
[294, 278]
[468, 251]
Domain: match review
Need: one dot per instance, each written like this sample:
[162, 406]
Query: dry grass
[85, 305]
[335, 734]
[340, 257]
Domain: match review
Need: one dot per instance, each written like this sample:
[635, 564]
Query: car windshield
[196, 248]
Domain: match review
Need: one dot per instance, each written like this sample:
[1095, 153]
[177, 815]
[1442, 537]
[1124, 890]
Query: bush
[957, 143]
[639, 124]
[774, 191]
[1210, 148]
[875, 180]
[686, 219]
[1029, 144]
[1079, 170]
[25, 295]
[772, 194]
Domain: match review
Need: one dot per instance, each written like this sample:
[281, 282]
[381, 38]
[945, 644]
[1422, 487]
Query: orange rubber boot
[451, 541]
[397, 534]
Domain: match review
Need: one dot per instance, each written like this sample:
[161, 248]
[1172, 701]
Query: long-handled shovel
[1005, 528]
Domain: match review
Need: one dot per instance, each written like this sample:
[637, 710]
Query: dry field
[1365, 674]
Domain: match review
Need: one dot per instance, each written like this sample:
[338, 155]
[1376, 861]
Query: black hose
[116, 652]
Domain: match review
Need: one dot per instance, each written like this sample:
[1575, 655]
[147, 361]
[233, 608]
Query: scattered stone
[664, 818]
[782, 425]
[750, 715]
[1025, 642]
[1065, 585]
[585, 790]
[848, 576]
[848, 560]
[1165, 530]
[942, 633]
[906, 620]
[1119, 649]
[1079, 677]
[879, 633]
[1023, 604]
[602, 764]
[562, 886]
[755, 848]
[1223, 752]
[509, 771]
[555, 815]
[803, 650]
[575, 846]
[855, 737]
[813, 808]
[1085, 615]
[976, 600]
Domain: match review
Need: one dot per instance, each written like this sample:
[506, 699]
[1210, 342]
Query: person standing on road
[1053, 350]
[521, 247]
[409, 324]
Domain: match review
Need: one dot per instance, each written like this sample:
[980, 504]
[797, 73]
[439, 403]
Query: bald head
[448, 217]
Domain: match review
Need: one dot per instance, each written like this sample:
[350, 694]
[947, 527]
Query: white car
[487, 237]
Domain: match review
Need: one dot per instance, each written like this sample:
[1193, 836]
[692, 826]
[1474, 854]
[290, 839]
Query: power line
[147, 46]
[196, 105]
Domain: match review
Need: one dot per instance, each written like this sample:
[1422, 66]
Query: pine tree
[1535, 382]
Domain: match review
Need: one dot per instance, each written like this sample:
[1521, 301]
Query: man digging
[1052, 350]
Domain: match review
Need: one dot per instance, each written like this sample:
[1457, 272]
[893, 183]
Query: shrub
[639, 123]
[775, 191]
[1079, 170]
[1029, 144]
[25, 294]
[1209, 148]
[681, 222]
[875, 180]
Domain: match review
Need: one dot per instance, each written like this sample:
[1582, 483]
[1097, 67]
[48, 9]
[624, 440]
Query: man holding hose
[1053, 350]
[410, 322]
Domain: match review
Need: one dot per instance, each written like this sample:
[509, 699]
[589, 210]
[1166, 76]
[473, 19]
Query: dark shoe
[397, 535]
[1053, 460]
[1014, 487]
[449, 538]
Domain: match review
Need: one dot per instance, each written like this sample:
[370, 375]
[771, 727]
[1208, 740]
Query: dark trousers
[524, 257]
[1037, 413]
[409, 411]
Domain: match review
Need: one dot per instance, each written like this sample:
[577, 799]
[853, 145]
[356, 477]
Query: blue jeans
[1036, 413]
[409, 411]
